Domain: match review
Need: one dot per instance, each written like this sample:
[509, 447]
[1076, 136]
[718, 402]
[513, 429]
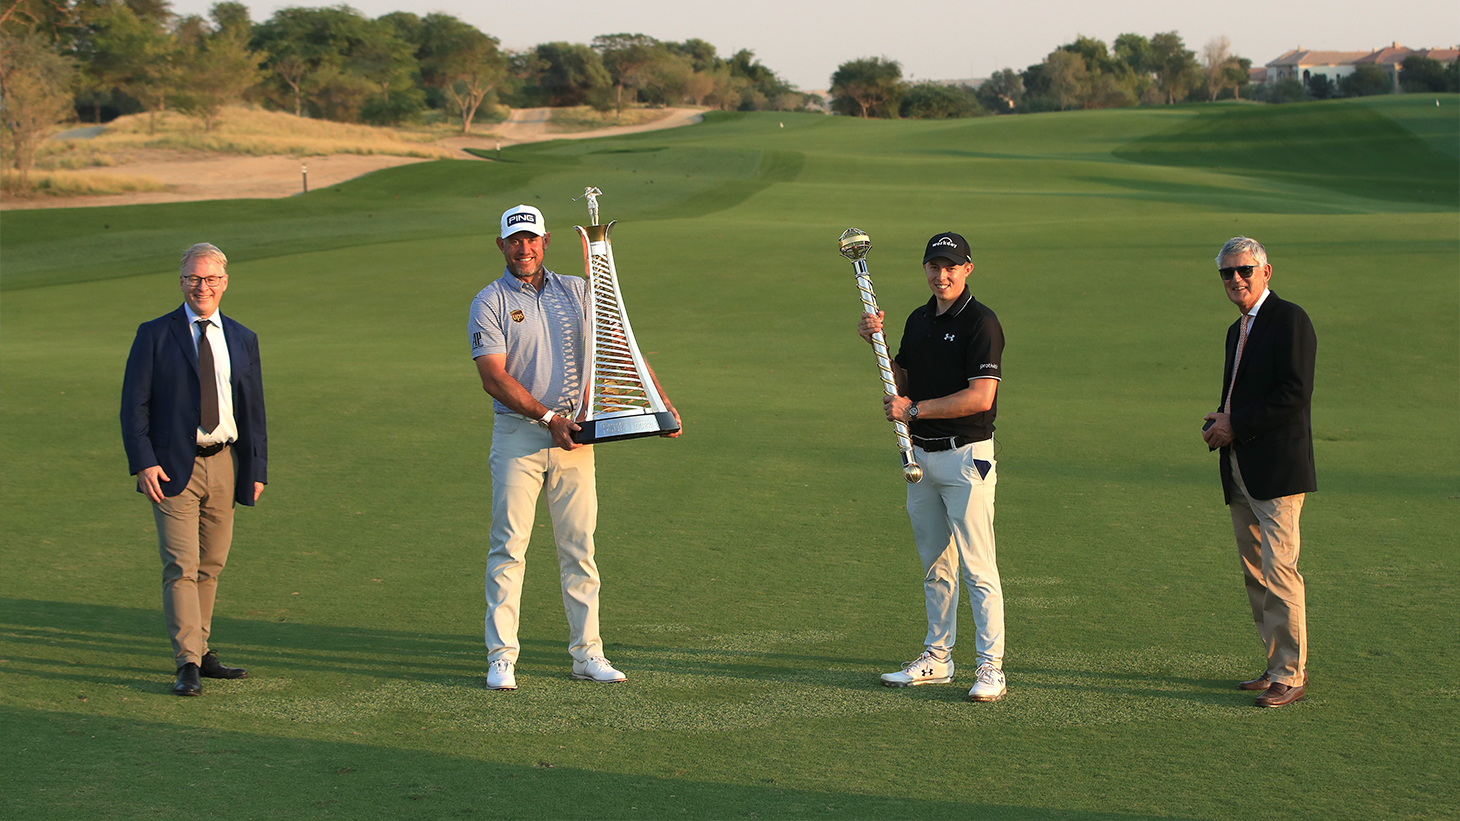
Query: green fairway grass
[759, 572]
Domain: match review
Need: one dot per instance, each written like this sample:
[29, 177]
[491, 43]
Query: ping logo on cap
[513, 219]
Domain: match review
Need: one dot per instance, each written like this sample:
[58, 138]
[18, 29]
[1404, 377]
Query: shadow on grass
[75, 766]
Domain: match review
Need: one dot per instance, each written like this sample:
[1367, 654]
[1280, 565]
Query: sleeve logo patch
[517, 315]
[988, 365]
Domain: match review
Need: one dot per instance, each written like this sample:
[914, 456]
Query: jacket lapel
[237, 356]
[183, 335]
[1260, 332]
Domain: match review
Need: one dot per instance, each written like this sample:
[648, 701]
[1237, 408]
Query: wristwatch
[912, 412]
[546, 419]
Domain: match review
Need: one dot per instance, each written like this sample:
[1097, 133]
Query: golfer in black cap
[947, 372]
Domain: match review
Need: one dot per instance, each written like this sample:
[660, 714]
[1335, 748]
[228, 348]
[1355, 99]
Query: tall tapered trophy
[854, 246]
[620, 400]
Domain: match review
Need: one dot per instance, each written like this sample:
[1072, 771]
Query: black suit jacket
[1272, 403]
[161, 405]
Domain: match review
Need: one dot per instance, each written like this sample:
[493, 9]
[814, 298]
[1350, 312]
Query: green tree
[572, 74]
[867, 87]
[626, 56]
[461, 61]
[1217, 62]
[1320, 87]
[764, 89]
[1175, 66]
[216, 65]
[1136, 52]
[301, 43]
[701, 54]
[1001, 93]
[1419, 74]
[1069, 78]
[1367, 80]
[666, 78]
[36, 86]
[936, 101]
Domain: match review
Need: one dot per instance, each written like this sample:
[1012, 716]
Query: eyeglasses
[214, 282]
[1244, 270]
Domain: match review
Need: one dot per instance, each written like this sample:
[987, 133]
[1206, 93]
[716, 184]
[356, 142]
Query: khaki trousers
[194, 533]
[952, 513]
[525, 463]
[1267, 547]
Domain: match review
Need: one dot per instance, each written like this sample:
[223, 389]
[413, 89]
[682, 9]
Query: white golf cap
[522, 218]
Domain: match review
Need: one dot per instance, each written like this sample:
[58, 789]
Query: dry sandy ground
[190, 178]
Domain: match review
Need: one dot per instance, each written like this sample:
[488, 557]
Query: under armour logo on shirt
[947, 337]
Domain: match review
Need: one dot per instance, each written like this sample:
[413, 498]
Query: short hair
[204, 250]
[1243, 245]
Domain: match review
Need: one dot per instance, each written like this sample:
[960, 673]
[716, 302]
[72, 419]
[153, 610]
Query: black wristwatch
[912, 412]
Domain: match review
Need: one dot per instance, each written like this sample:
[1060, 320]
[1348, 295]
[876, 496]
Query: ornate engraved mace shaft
[854, 246]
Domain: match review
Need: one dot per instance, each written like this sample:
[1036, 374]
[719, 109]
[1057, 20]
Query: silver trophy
[854, 246]
[619, 397]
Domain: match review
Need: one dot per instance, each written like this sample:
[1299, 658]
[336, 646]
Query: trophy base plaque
[612, 429]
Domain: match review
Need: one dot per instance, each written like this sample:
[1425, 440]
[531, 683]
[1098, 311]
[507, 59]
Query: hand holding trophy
[854, 246]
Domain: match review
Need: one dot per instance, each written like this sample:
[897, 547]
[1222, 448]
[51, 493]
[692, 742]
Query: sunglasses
[1244, 270]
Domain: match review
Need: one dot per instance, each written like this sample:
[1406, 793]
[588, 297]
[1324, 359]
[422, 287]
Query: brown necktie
[1237, 360]
[207, 378]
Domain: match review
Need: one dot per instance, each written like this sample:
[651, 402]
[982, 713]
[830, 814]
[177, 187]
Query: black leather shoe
[188, 683]
[212, 668]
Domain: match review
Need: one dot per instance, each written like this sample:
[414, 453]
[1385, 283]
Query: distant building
[1303, 65]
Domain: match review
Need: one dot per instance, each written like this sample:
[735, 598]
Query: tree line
[1086, 74]
[110, 57]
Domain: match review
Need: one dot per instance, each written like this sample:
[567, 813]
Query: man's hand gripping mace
[854, 246]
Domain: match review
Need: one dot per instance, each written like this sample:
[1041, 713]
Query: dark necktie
[207, 378]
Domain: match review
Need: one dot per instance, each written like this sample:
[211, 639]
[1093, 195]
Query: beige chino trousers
[524, 464]
[1267, 547]
[194, 533]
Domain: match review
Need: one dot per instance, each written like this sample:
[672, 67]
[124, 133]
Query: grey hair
[204, 250]
[1243, 245]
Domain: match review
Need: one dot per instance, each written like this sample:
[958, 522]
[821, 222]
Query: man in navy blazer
[193, 427]
[1264, 429]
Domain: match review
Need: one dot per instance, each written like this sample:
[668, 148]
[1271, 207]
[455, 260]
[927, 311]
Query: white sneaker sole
[995, 697]
[585, 677]
[917, 683]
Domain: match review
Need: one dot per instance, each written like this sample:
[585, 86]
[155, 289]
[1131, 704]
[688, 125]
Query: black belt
[209, 450]
[946, 443]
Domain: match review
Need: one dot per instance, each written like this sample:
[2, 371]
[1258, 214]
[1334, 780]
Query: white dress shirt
[227, 430]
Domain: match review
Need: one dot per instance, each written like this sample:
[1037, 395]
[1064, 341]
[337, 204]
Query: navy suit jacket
[161, 406]
[1272, 403]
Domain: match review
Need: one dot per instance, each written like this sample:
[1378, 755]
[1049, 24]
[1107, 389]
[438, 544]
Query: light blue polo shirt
[542, 335]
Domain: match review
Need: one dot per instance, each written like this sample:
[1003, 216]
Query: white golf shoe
[989, 684]
[500, 676]
[922, 670]
[597, 668]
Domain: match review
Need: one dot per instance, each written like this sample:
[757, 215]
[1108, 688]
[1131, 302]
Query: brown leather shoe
[1259, 683]
[1280, 695]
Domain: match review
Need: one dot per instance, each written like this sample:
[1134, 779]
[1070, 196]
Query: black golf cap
[948, 245]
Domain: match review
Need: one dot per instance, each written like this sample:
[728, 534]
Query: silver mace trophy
[620, 400]
[854, 246]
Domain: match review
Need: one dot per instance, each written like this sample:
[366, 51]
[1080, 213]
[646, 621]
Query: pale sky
[935, 39]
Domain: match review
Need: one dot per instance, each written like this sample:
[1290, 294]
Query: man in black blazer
[193, 427]
[1264, 430]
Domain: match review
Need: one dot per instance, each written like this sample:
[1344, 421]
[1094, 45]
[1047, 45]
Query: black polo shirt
[940, 354]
